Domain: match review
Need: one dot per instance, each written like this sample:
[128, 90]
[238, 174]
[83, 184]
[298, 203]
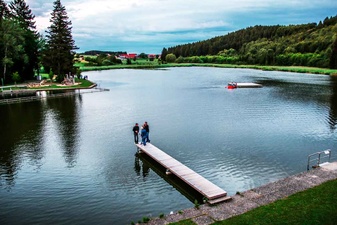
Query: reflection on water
[148, 163]
[333, 104]
[22, 133]
[65, 111]
[72, 159]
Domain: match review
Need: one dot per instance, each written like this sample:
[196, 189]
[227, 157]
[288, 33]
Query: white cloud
[168, 21]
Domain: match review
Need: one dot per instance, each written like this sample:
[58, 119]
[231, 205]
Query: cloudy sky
[150, 25]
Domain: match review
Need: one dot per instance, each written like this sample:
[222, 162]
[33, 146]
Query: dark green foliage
[142, 55]
[98, 52]
[60, 46]
[11, 39]
[170, 58]
[333, 57]
[163, 54]
[146, 219]
[18, 40]
[305, 45]
[4, 11]
[26, 64]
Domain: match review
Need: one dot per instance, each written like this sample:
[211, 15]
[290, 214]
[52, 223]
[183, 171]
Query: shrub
[171, 58]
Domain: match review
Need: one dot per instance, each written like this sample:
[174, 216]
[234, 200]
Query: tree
[333, 57]
[4, 11]
[142, 55]
[4, 14]
[10, 38]
[16, 77]
[170, 58]
[24, 17]
[163, 54]
[59, 53]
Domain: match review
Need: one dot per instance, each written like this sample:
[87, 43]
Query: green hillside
[312, 44]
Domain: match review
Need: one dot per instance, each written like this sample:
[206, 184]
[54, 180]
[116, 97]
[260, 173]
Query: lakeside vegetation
[145, 64]
[312, 45]
[23, 51]
[313, 206]
[303, 48]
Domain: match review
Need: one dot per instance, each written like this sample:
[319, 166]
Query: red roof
[128, 56]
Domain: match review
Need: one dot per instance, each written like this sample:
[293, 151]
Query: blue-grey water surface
[72, 160]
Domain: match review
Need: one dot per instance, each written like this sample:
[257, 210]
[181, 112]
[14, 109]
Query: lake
[72, 160]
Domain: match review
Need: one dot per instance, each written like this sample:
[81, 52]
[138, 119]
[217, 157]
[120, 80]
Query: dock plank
[209, 190]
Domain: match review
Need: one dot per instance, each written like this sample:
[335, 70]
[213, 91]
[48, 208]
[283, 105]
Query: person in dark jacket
[143, 134]
[147, 128]
[135, 130]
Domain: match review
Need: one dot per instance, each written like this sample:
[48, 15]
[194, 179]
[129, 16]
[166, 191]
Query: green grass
[84, 84]
[316, 206]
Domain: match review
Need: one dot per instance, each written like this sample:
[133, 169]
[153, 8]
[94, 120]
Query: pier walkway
[212, 193]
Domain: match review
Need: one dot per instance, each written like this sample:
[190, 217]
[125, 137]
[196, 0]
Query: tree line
[309, 44]
[23, 50]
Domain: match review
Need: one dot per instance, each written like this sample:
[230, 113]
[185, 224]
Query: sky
[148, 26]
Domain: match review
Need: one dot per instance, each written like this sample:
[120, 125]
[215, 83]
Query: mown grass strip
[317, 206]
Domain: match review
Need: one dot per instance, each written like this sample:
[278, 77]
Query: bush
[106, 62]
[180, 59]
[16, 77]
[171, 58]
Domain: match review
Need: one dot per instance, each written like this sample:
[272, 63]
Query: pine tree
[60, 46]
[23, 14]
[163, 54]
[25, 18]
[11, 39]
[4, 12]
[333, 57]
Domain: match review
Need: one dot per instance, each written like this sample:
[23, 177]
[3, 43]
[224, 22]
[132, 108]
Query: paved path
[253, 198]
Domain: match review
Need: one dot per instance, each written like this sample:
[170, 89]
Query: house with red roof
[128, 56]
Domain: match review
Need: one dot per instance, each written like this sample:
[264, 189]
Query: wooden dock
[212, 193]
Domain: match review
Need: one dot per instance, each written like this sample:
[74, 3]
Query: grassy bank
[50, 86]
[313, 206]
[155, 65]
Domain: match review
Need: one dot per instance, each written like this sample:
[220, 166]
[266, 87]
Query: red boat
[232, 85]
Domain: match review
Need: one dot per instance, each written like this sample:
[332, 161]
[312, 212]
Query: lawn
[317, 206]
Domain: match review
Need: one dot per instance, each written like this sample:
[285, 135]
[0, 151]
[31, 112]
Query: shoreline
[294, 69]
[253, 198]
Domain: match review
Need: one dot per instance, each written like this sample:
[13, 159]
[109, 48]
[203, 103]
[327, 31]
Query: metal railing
[320, 157]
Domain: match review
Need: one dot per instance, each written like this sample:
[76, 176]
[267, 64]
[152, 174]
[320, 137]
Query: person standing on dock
[135, 130]
[147, 128]
[143, 134]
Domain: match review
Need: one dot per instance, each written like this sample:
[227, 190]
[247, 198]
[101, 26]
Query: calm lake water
[72, 160]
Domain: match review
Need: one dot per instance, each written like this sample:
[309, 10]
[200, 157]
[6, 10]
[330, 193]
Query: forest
[312, 44]
[23, 51]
